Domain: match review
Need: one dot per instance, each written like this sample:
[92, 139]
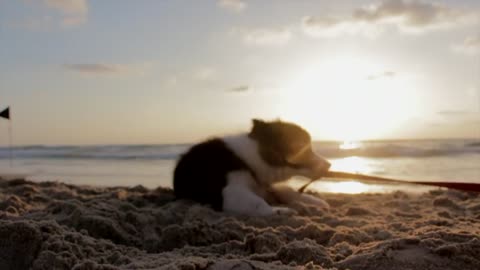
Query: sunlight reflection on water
[351, 186]
[352, 164]
[347, 145]
[359, 165]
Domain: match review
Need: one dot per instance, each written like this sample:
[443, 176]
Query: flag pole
[6, 114]
[10, 142]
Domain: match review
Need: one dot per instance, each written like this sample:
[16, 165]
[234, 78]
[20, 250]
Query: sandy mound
[57, 226]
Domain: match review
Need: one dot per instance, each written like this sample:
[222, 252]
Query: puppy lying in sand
[239, 174]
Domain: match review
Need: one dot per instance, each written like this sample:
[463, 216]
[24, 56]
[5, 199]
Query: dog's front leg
[238, 197]
[288, 195]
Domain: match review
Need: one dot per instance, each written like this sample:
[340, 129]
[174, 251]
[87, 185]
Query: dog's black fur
[201, 173]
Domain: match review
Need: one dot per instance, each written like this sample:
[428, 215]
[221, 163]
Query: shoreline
[46, 224]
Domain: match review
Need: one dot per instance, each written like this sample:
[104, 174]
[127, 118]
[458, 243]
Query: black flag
[5, 113]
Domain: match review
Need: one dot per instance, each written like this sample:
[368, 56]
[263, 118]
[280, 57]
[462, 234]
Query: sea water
[152, 165]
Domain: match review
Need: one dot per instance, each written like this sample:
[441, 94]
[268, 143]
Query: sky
[175, 71]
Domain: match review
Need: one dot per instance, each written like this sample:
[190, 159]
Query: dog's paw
[309, 199]
[283, 211]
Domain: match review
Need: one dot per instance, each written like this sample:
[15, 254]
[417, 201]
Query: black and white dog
[237, 173]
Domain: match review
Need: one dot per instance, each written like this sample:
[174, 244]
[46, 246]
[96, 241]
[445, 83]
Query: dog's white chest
[247, 150]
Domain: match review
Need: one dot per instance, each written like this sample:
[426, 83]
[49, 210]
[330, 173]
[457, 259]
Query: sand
[51, 225]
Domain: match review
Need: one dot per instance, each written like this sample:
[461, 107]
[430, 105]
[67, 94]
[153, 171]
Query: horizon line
[190, 143]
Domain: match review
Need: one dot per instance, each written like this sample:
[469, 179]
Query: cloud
[385, 74]
[470, 45]
[205, 74]
[406, 16]
[457, 113]
[33, 24]
[171, 81]
[51, 14]
[411, 14]
[328, 26]
[94, 68]
[473, 91]
[265, 36]
[240, 89]
[73, 12]
[232, 5]
[107, 69]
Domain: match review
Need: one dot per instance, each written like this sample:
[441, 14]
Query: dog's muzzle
[319, 167]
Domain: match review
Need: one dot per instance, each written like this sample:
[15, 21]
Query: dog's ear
[260, 129]
[258, 123]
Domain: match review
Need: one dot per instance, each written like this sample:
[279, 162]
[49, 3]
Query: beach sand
[51, 225]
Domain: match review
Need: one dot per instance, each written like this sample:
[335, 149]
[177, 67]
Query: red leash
[355, 176]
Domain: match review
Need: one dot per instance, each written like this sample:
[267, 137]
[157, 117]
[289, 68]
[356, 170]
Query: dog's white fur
[239, 197]
[243, 195]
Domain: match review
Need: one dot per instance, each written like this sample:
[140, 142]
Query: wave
[414, 149]
[395, 151]
[105, 152]
[473, 144]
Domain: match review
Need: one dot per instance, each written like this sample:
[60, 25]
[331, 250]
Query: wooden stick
[355, 176]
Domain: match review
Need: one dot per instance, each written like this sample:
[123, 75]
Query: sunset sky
[124, 72]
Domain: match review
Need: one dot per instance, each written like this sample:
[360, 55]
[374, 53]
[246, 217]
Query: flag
[5, 113]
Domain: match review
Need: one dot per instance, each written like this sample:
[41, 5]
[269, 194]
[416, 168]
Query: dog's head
[283, 144]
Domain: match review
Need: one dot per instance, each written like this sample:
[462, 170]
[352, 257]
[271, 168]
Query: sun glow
[348, 98]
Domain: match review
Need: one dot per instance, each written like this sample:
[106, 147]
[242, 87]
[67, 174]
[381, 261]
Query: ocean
[152, 165]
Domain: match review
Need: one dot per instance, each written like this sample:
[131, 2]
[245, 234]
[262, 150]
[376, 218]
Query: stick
[344, 175]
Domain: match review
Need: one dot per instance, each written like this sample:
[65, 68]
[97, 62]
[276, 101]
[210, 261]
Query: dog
[240, 173]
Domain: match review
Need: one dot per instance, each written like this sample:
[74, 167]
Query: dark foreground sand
[57, 226]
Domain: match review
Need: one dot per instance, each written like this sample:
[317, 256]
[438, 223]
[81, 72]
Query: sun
[348, 98]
